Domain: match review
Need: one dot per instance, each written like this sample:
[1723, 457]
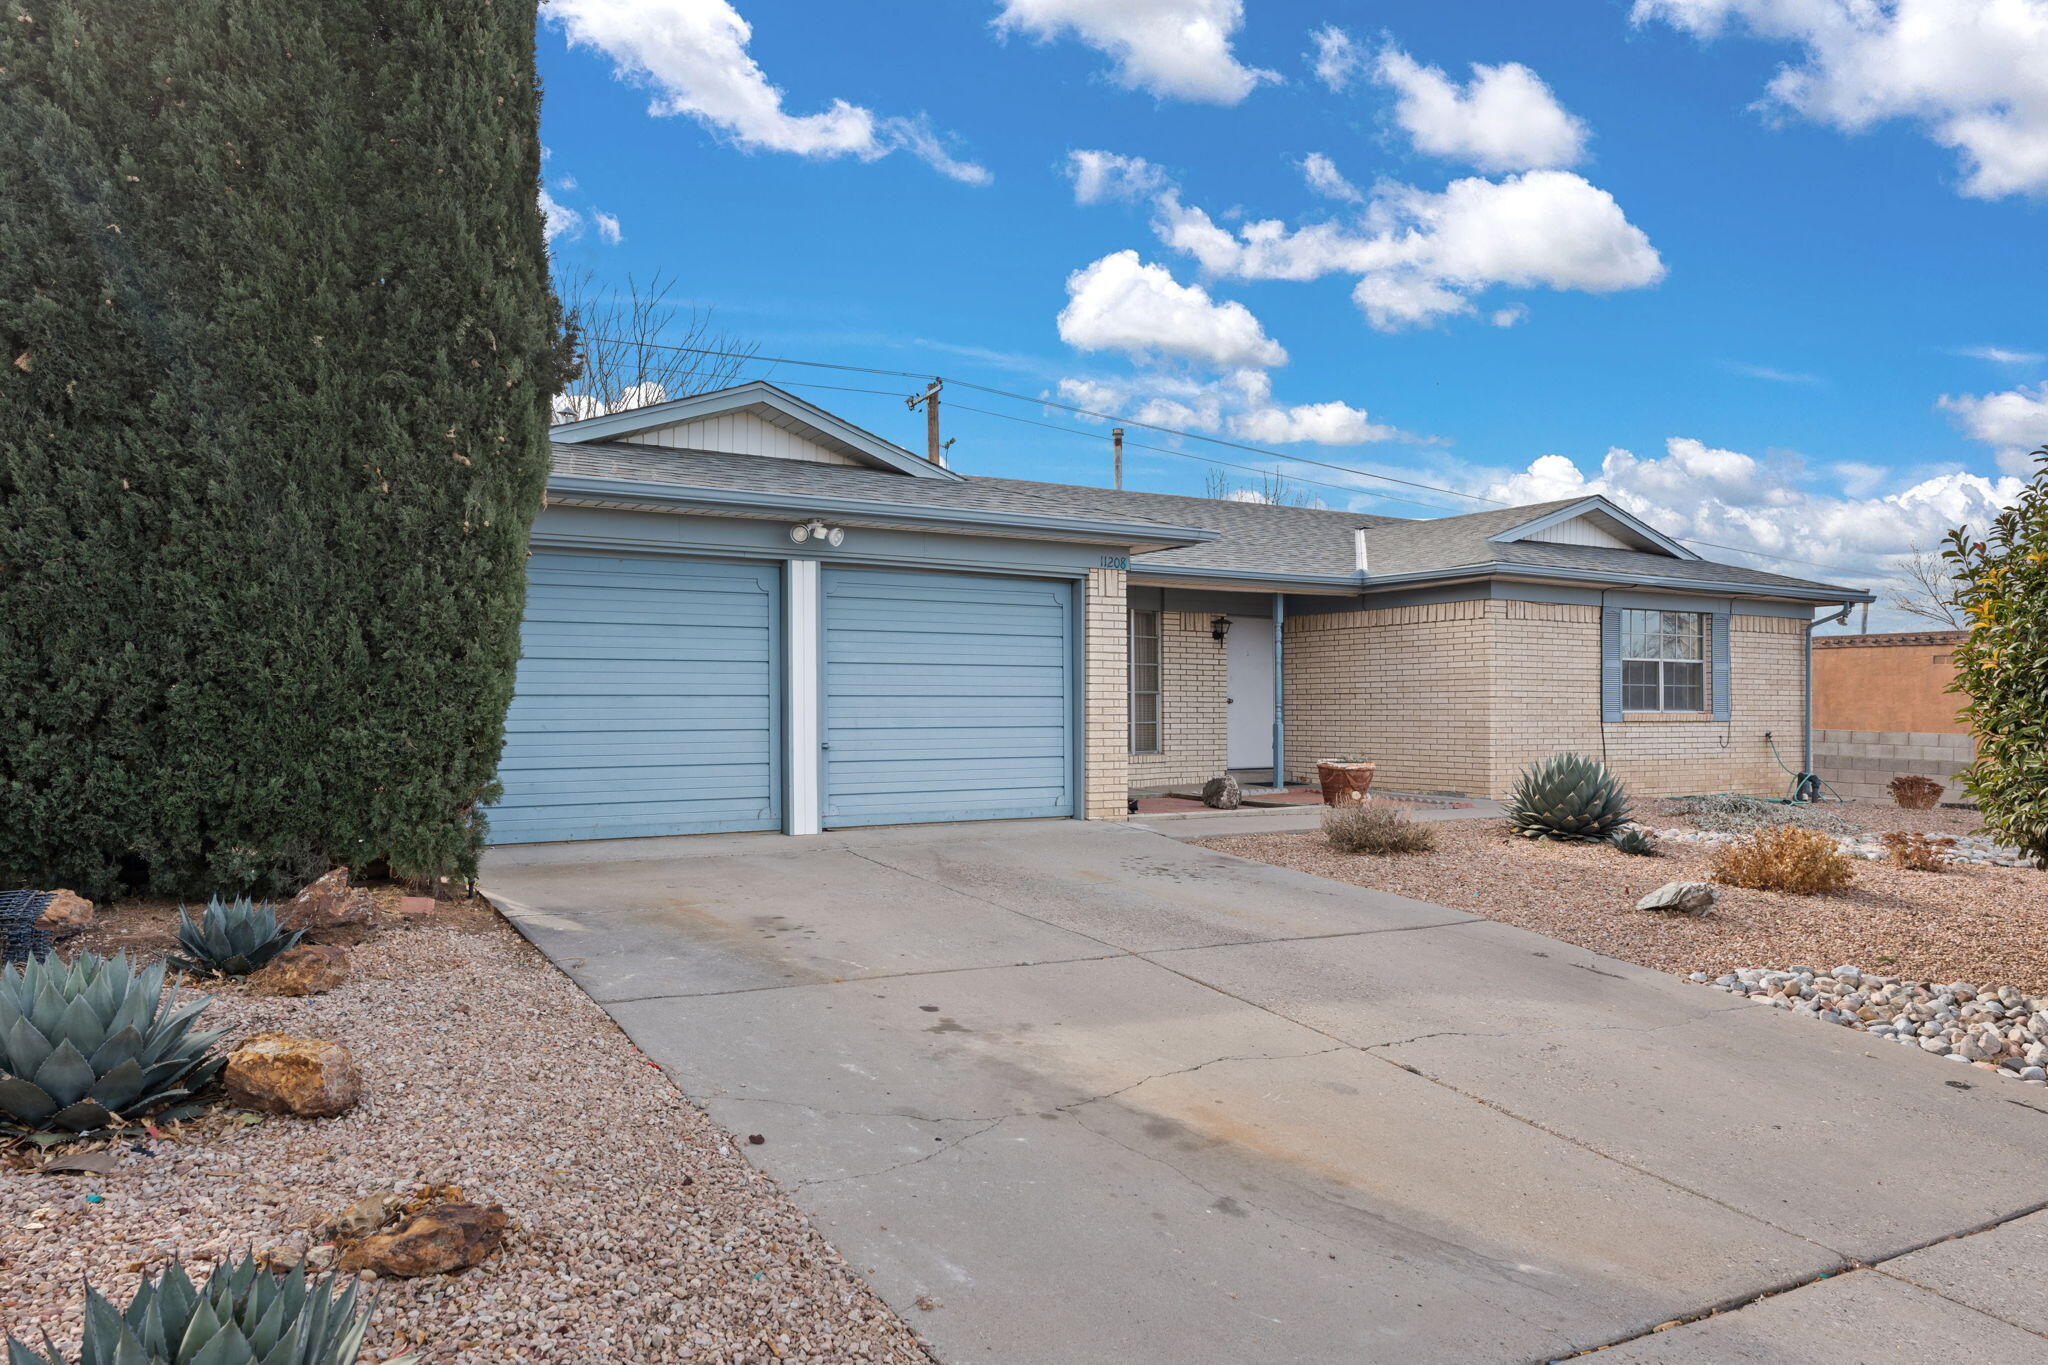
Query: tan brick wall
[1105, 651]
[1193, 706]
[1461, 696]
[1406, 687]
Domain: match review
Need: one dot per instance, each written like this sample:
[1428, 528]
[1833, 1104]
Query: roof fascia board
[1596, 503]
[1259, 579]
[959, 520]
[615, 425]
[1819, 592]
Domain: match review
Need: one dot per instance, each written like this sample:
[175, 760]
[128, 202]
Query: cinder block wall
[1406, 687]
[1105, 684]
[1462, 696]
[1194, 724]
[1860, 764]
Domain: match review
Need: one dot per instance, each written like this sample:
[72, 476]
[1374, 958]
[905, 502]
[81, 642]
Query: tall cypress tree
[276, 351]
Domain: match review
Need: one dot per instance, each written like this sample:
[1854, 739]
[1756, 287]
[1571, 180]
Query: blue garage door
[647, 701]
[947, 697]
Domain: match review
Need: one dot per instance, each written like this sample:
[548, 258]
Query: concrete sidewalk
[1102, 1096]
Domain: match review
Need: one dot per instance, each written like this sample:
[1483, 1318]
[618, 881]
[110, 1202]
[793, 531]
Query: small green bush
[1369, 827]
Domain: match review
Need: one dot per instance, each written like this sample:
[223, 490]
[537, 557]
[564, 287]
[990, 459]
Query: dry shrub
[1368, 827]
[1804, 862]
[1919, 852]
[1916, 793]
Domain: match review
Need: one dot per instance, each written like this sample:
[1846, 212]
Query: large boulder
[1685, 898]
[309, 969]
[67, 913]
[435, 1241]
[303, 1077]
[331, 907]
[1222, 793]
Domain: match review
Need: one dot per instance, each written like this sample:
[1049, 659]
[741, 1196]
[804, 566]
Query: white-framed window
[1664, 660]
[1144, 682]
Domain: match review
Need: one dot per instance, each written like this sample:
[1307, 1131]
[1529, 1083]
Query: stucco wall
[1887, 683]
[1193, 706]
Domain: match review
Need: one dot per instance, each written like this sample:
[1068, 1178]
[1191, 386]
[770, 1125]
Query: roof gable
[755, 418]
[1593, 521]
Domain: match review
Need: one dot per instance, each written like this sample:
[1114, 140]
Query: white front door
[1250, 738]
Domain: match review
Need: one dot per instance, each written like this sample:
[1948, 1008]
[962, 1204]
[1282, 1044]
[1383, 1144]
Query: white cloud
[1239, 403]
[1768, 374]
[693, 55]
[1973, 72]
[2014, 423]
[1120, 303]
[1509, 316]
[1999, 355]
[1100, 177]
[1423, 255]
[1328, 424]
[1338, 60]
[607, 226]
[1700, 492]
[1503, 119]
[559, 219]
[1325, 179]
[1176, 49]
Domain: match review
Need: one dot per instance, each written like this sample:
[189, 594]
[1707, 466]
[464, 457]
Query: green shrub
[2002, 665]
[277, 347]
[231, 939]
[1568, 796]
[1373, 827]
[94, 1042]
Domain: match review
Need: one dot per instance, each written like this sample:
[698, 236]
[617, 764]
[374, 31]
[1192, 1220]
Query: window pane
[1145, 738]
[1144, 649]
[1639, 690]
[1145, 678]
[1684, 687]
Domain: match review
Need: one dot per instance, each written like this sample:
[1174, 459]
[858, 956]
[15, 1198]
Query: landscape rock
[1222, 793]
[303, 1077]
[67, 913]
[309, 969]
[330, 907]
[371, 1213]
[1686, 898]
[434, 1241]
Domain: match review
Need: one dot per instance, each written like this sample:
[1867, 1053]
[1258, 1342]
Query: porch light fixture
[1219, 626]
[817, 530]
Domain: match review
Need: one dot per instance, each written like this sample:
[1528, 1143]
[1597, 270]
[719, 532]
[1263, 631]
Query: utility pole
[1116, 437]
[933, 451]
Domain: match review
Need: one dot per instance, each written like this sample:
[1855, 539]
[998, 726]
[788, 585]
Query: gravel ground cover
[640, 1233]
[1977, 924]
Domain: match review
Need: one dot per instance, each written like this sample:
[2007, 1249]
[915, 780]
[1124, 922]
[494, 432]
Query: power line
[1169, 431]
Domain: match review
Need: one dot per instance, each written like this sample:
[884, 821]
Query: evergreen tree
[276, 354]
[2002, 665]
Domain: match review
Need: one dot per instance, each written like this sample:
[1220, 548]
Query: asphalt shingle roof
[1255, 537]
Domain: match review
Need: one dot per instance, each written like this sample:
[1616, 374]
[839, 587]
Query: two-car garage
[655, 693]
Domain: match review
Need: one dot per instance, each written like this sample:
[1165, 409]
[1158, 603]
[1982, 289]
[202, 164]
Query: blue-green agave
[93, 1042]
[231, 939]
[243, 1315]
[1568, 796]
[1635, 841]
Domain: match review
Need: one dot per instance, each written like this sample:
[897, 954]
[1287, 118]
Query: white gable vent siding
[742, 433]
[1720, 678]
[1583, 531]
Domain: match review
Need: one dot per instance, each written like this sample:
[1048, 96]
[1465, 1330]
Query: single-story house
[745, 613]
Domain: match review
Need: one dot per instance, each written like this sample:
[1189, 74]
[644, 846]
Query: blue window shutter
[1720, 648]
[1610, 664]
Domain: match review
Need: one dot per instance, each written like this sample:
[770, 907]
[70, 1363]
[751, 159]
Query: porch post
[801, 808]
[1279, 689]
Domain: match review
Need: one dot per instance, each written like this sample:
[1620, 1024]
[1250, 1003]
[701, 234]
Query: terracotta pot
[1344, 782]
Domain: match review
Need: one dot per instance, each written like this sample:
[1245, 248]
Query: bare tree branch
[1926, 589]
[626, 343]
[1270, 488]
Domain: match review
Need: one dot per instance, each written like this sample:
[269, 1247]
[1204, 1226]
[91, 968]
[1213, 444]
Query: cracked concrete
[1106, 1097]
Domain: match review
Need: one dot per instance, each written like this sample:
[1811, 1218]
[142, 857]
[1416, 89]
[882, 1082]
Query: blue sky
[1768, 271]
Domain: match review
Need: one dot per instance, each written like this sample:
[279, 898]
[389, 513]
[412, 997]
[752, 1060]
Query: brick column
[1105, 682]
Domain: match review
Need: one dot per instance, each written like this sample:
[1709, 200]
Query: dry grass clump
[1727, 813]
[1804, 862]
[1916, 793]
[1367, 827]
[1919, 852]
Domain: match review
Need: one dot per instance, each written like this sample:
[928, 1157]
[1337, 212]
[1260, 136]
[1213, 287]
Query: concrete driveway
[1074, 1092]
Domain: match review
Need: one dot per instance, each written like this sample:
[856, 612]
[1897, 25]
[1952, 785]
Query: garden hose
[1806, 787]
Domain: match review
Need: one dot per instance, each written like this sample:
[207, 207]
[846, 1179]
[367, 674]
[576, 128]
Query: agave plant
[85, 1045]
[243, 1315]
[1568, 796]
[1634, 840]
[231, 939]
